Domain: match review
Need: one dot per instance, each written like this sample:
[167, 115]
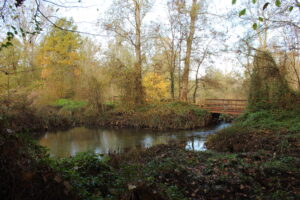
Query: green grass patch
[272, 120]
[69, 104]
[271, 130]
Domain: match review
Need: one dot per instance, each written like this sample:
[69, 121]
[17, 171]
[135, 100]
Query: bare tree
[193, 12]
[126, 21]
[199, 62]
[170, 37]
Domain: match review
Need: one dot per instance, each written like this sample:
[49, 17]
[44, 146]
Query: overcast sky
[87, 15]
[90, 12]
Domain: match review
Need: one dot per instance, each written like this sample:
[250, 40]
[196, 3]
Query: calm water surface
[103, 141]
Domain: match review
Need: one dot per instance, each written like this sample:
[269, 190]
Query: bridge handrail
[225, 106]
[226, 100]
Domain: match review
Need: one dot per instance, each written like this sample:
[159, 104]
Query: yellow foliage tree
[59, 56]
[156, 87]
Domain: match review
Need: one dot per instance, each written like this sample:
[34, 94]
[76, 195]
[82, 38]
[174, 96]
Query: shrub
[268, 86]
[271, 130]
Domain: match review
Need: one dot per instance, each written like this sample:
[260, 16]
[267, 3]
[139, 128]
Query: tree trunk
[296, 72]
[187, 60]
[196, 84]
[172, 70]
[200, 61]
[179, 68]
[138, 53]
[172, 85]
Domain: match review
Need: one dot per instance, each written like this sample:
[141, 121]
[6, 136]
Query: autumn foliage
[156, 87]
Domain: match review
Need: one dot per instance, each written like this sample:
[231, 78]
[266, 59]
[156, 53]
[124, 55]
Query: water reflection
[103, 141]
[195, 144]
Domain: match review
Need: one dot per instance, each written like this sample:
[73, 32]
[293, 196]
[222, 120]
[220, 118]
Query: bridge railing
[225, 106]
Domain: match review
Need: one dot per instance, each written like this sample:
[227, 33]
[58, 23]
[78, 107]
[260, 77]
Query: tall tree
[171, 38]
[126, 21]
[59, 56]
[189, 42]
[199, 62]
[9, 66]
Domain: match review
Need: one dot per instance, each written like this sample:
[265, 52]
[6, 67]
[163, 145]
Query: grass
[69, 104]
[176, 115]
[64, 113]
[277, 131]
[178, 108]
[288, 120]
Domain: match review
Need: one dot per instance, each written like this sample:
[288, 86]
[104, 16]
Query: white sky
[87, 13]
[87, 16]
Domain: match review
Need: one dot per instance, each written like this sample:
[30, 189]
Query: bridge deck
[225, 106]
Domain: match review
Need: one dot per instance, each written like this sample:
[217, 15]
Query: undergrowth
[164, 172]
[176, 115]
[288, 120]
[27, 172]
[277, 131]
[64, 113]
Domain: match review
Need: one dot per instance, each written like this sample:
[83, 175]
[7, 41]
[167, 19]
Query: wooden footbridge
[225, 106]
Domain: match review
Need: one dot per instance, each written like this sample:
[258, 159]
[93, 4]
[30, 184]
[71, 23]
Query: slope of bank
[176, 115]
[256, 158]
[27, 172]
[275, 131]
[163, 172]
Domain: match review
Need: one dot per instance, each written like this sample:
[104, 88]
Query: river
[105, 140]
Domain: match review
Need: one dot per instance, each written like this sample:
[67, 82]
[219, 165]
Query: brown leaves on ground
[279, 142]
[202, 175]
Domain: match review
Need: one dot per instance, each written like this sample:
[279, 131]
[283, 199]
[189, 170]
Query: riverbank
[163, 172]
[166, 116]
[275, 131]
[256, 158]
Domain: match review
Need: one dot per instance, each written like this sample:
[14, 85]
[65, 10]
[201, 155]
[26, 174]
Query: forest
[149, 99]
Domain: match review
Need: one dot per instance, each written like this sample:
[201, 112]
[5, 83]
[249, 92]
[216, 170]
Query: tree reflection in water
[104, 141]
